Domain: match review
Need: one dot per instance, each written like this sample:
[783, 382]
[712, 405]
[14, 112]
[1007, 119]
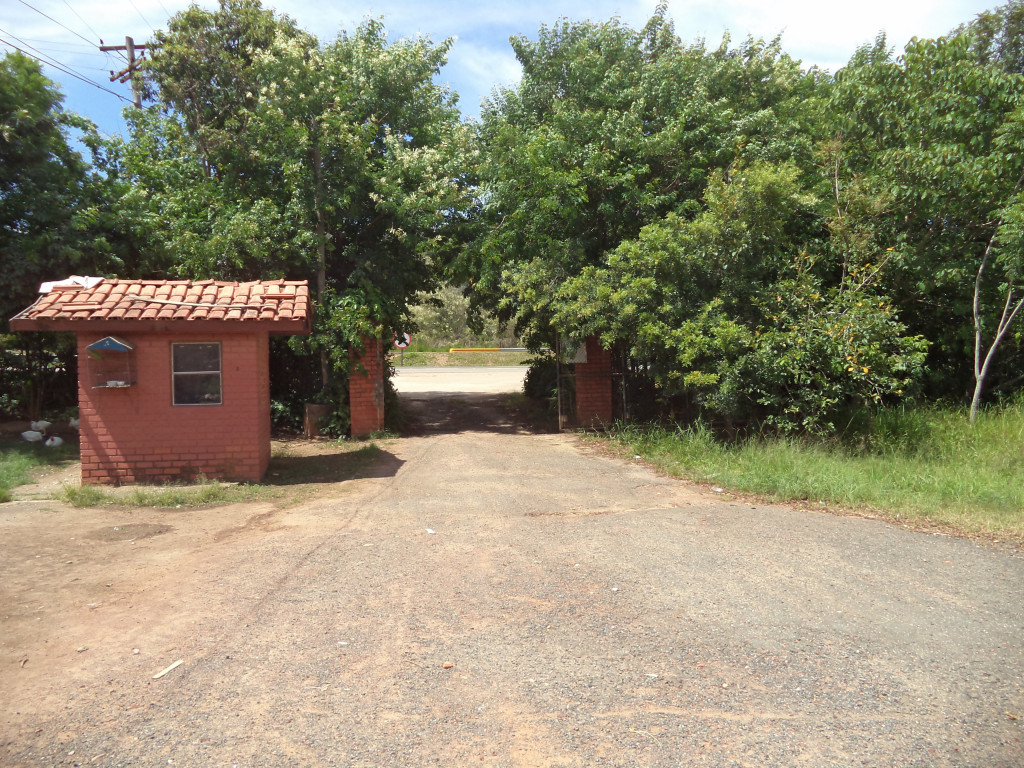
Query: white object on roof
[75, 281]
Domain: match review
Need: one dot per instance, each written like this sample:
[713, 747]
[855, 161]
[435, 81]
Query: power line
[127, 74]
[60, 68]
[59, 42]
[26, 44]
[165, 9]
[82, 20]
[144, 20]
[52, 49]
[53, 61]
[65, 26]
[42, 58]
[94, 69]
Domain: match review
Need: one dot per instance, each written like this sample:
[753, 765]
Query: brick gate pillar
[366, 388]
[594, 386]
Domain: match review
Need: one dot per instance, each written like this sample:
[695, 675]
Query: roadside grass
[290, 477]
[15, 468]
[18, 461]
[442, 358]
[924, 466]
[202, 493]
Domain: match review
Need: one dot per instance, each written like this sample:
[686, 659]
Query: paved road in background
[479, 380]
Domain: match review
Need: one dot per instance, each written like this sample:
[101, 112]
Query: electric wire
[169, 14]
[38, 51]
[51, 48]
[65, 26]
[60, 67]
[83, 21]
[43, 58]
[55, 52]
[144, 19]
[91, 46]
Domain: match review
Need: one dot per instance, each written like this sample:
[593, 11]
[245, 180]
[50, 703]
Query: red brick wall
[135, 434]
[366, 388]
[594, 386]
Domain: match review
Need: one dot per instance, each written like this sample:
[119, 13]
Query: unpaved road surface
[484, 595]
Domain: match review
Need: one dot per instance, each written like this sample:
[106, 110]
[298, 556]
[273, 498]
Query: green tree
[671, 199]
[56, 219]
[999, 36]
[745, 307]
[937, 133]
[42, 180]
[609, 130]
[271, 154]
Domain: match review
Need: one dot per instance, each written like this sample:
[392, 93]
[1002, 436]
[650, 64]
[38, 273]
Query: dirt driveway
[484, 595]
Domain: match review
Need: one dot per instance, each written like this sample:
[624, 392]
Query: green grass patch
[15, 470]
[20, 460]
[925, 464]
[203, 493]
[290, 477]
[443, 359]
[86, 496]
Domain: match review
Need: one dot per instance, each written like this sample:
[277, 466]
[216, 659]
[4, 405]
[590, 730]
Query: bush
[286, 415]
[337, 423]
[541, 380]
[445, 319]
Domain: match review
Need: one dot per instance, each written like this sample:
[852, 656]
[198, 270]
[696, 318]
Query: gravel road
[484, 595]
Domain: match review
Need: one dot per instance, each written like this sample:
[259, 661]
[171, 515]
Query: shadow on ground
[440, 413]
[329, 464]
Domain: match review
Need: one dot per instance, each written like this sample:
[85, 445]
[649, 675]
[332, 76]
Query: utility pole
[127, 74]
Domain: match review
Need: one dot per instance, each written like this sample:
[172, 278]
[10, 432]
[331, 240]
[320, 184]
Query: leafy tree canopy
[270, 154]
[610, 129]
[56, 219]
[935, 137]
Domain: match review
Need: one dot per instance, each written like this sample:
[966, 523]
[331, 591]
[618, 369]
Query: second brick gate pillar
[366, 388]
[594, 387]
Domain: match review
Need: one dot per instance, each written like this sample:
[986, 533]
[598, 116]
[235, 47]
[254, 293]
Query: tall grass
[14, 471]
[19, 459]
[925, 463]
[476, 359]
[200, 494]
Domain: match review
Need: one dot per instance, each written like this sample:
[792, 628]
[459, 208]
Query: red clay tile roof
[278, 306]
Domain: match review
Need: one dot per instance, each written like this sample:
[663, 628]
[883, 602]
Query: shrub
[541, 378]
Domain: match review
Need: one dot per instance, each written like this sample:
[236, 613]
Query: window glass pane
[197, 389]
[196, 357]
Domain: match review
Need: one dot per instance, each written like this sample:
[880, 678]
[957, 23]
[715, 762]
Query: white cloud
[475, 70]
[822, 33]
[819, 32]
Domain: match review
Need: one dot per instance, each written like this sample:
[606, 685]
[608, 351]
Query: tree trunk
[321, 237]
[1010, 312]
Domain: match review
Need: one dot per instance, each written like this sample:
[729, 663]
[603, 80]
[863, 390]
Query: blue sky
[67, 32]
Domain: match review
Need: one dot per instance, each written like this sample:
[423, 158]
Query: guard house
[173, 376]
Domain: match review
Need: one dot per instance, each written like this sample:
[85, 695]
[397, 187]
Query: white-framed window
[195, 373]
